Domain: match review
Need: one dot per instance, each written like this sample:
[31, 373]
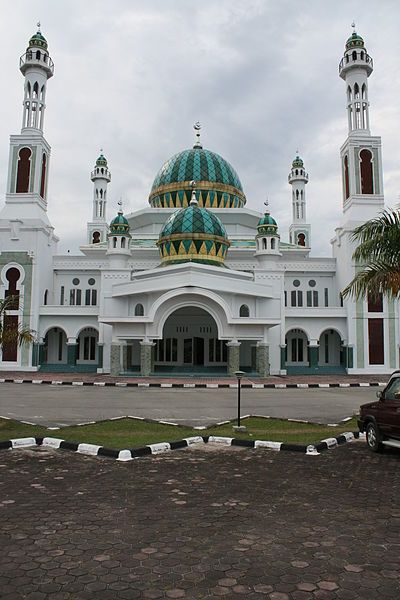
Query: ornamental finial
[120, 211]
[193, 199]
[101, 150]
[266, 203]
[197, 127]
[38, 26]
[353, 26]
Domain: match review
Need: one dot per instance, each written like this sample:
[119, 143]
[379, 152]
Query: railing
[29, 58]
[351, 61]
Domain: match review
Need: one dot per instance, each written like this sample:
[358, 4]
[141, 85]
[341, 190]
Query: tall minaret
[361, 153]
[98, 228]
[29, 151]
[299, 230]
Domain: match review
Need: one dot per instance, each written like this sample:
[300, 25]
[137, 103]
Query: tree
[378, 255]
[8, 335]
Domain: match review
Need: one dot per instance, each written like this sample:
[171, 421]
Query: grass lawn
[132, 433]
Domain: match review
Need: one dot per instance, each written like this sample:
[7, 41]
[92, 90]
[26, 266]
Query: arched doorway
[296, 352]
[87, 349]
[330, 351]
[53, 352]
[190, 343]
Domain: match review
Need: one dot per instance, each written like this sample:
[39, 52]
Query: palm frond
[376, 278]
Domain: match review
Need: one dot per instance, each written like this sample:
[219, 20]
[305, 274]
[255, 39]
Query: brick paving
[200, 524]
[273, 379]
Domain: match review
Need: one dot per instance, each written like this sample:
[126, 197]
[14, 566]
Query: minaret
[267, 238]
[29, 151]
[361, 155]
[299, 230]
[97, 228]
[119, 240]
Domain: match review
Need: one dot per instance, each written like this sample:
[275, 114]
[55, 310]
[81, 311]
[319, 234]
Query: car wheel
[374, 438]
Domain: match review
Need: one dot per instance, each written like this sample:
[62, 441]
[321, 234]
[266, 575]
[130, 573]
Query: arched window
[273, 244]
[114, 242]
[45, 297]
[102, 171]
[139, 310]
[301, 239]
[35, 89]
[349, 94]
[123, 242]
[23, 171]
[297, 171]
[264, 244]
[10, 323]
[346, 177]
[356, 91]
[43, 176]
[367, 182]
[354, 55]
[96, 237]
[37, 54]
[97, 193]
[347, 58]
[362, 54]
[363, 91]
[244, 311]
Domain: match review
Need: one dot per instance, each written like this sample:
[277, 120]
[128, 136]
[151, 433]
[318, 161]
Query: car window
[393, 387]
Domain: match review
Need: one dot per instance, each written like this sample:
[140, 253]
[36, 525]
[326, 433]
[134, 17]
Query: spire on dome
[193, 199]
[197, 128]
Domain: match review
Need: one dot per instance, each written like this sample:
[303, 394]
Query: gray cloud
[260, 75]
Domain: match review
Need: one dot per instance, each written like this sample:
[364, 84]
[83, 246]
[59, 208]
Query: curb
[162, 447]
[254, 386]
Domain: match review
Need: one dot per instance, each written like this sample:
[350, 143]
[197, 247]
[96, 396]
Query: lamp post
[239, 375]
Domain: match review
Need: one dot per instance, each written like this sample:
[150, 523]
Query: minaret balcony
[294, 177]
[361, 60]
[100, 173]
[36, 58]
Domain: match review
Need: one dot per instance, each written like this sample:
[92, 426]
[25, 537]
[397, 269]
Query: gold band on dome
[194, 257]
[176, 237]
[216, 186]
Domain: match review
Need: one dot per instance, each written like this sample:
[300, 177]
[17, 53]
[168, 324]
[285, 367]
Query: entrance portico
[191, 328]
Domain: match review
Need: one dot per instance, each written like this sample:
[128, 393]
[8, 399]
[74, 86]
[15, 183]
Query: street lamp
[239, 375]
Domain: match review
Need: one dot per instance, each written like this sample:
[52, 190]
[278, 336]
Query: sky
[132, 77]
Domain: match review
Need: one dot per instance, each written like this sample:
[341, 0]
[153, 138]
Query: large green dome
[217, 183]
[193, 234]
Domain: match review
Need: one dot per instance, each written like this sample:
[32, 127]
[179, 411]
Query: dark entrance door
[198, 354]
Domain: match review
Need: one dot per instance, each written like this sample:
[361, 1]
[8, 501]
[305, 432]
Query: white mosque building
[194, 282]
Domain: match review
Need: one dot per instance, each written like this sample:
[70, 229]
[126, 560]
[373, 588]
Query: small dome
[101, 161]
[354, 41]
[38, 40]
[297, 162]
[218, 184]
[193, 234]
[119, 225]
[267, 225]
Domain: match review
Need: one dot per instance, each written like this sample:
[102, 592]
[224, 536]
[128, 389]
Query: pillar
[100, 352]
[115, 359]
[125, 357]
[313, 356]
[146, 358]
[72, 351]
[262, 359]
[233, 356]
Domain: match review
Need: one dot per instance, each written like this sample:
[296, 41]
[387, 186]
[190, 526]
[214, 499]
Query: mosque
[194, 282]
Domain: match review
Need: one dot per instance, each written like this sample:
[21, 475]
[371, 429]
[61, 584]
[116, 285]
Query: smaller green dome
[119, 225]
[38, 40]
[297, 162]
[354, 41]
[267, 225]
[193, 234]
[101, 161]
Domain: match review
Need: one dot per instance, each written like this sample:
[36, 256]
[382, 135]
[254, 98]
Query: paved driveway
[65, 405]
[199, 524]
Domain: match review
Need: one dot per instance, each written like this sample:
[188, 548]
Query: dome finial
[353, 26]
[120, 211]
[197, 127]
[38, 26]
[266, 203]
[193, 199]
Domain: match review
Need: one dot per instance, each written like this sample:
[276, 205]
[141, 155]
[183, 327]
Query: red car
[381, 420]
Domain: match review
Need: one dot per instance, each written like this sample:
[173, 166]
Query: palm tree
[378, 255]
[8, 335]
